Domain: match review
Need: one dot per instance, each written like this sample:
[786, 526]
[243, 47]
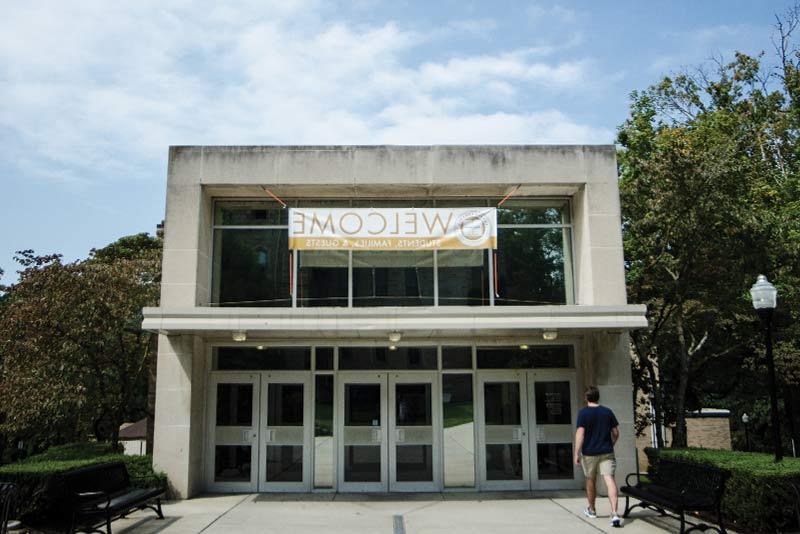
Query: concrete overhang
[416, 322]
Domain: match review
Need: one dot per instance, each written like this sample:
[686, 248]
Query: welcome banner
[392, 228]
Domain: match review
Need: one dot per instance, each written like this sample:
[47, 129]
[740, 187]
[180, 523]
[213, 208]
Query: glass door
[363, 427]
[414, 450]
[233, 439]
[502, 437]
[553, 405]
[286, 432]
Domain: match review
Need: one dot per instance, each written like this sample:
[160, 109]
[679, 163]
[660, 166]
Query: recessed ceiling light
[395, 337]
[260, 347]
[392, 347]
[523, 346]
[240, 335]
[549, 335]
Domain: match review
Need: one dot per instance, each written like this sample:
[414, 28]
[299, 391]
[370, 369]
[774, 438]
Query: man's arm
[579, 443]
[614, 435]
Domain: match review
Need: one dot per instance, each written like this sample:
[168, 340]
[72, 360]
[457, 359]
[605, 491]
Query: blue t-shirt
[597, 423]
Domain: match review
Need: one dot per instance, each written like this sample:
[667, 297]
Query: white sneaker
[591, 514]
[616, 522]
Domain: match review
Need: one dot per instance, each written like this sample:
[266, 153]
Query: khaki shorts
[606, 464]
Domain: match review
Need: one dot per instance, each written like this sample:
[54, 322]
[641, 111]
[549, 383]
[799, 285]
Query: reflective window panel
[264, 359]
[362, 405]
[413, 404]
[555, 461]
[504, 461]
[232, 463]
[234, 404]
[322, 278]
[536, 356]
[459, 431]
[530, 266]
[284, 404]
[531, 211]
[403, 278]
[501, 403]
[251, 268]
[362, 463]
[323, 431]
[362, 358]
[553, 406]
[456, 357]
[284, 463]
[245, 213]
[463, 277]
[324, 357]
[414, 463]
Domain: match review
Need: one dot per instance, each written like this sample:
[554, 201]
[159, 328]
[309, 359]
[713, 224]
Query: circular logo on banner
[472, 228]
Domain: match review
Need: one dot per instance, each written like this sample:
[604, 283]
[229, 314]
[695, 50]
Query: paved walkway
[431, 513]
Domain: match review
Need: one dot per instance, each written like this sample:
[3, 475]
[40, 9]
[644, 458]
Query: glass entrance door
[286, 432]
[552, 404]
[414, 449]
[233, 439]
[363, 451]
[502, 438]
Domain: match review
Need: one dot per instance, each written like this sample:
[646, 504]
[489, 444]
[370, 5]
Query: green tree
[75, 359]
[710, 196]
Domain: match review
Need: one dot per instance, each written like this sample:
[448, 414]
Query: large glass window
[403, 278]
[253, 265]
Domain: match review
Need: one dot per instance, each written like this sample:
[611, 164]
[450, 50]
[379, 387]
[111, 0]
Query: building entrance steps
[415, 513]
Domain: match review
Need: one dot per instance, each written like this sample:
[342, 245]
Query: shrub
[759, 496]
[35, 476]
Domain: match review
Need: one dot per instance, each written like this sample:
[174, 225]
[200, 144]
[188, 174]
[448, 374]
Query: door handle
[517, 434]
[401, 435]
[269, 435]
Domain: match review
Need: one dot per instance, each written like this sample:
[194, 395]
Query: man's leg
[591, 492]
[611, 486]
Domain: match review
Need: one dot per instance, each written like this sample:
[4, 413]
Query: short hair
[592, 394]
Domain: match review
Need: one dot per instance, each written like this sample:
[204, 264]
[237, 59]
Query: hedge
[35, 475]
[759, 496]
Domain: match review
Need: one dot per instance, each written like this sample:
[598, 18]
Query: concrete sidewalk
[431, 513]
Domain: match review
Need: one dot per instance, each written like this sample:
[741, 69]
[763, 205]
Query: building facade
[382, 353]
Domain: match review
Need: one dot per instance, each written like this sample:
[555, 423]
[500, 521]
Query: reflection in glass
[530, 266]
[555, 461]
[463, 277]
[414, 463]
[362, 405]
[362, 463]
[504, 461]
[234, 404]
[553, 406]
[322, 277]
[323, 431]
[501, 403]
[459, 431]
[251, 268]
[285, 405]
[456, 357]
[232, 463]
[355, 358]
[402, 278]
[266, 359]
[284, 463]
[413, 404]
[530, 211]
[536, 357]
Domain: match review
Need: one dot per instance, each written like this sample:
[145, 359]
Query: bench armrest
[638, 477]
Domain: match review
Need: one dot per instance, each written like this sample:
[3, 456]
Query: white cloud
[100, 89]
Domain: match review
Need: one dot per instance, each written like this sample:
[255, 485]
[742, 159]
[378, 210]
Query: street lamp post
[765, 298]
[745, 421]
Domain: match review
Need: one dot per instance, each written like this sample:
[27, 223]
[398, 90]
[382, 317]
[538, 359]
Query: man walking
[595, 437]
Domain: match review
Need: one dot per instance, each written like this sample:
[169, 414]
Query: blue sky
[92, 93]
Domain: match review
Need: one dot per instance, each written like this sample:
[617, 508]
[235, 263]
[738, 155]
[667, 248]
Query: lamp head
[764, 294]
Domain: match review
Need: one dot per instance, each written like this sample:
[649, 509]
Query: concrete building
[387, 318]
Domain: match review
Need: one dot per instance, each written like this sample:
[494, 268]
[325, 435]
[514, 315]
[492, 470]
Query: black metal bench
[679, 487]
[99, 494]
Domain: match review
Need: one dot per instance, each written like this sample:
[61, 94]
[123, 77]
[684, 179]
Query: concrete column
[180, 395]
[611, 366]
